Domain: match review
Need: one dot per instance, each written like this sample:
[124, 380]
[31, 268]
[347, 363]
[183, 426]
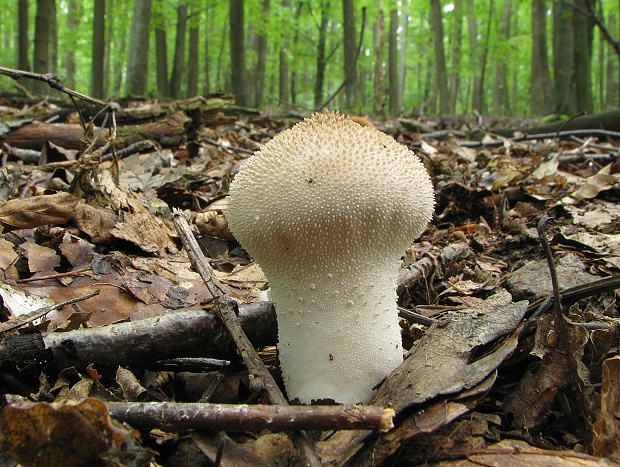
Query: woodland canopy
[497, 57]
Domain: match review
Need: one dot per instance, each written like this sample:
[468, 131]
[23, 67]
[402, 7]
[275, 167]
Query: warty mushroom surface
[327, 209]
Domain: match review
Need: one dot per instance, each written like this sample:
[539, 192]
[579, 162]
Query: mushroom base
[338, 346]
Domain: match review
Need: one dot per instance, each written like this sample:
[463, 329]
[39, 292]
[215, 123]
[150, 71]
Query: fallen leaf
[41, 210]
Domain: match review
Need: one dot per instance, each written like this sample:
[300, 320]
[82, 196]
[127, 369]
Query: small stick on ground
[251, 417]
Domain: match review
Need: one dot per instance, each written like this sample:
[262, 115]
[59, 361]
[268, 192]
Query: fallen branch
[52, 80]
[251, 417]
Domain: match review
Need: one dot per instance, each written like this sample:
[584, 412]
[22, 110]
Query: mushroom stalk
[327, 209]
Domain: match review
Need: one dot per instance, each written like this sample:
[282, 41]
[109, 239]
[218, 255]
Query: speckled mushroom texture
[327, 209]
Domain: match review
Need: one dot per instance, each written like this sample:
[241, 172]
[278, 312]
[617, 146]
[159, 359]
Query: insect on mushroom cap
[327, 209]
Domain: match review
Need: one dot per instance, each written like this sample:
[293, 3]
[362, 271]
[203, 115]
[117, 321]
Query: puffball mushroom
[327, 209]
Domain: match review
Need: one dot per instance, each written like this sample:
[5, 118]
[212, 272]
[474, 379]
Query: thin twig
[25, 319]
[545, 220]
[52, 80]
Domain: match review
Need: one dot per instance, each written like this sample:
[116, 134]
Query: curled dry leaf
[34, 212]
[606, 442]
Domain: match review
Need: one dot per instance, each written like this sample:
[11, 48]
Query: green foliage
[295, 31]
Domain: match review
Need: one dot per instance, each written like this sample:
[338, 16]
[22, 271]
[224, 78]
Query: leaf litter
[490, 380]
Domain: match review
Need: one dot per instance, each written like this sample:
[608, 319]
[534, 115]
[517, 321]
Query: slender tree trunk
[98, 49]
[161, 59]
[396, 99]
[453, 77]
[179, 52]
[402, 51]
[192, 55]
[293, 79]
[206, 89]
[441, 75]
[23, 44]
[53, 59]
[137, 65]
[283, 82]
[583, 28]
[261, 62]
[540, 95]
[379, 75]
[237, 51]
[611, 72]
[563, 56]
[320, 55]
[515, 77]
[475, 53]
[41, 60]
[350, 49]
[500, 89]
[74, 15]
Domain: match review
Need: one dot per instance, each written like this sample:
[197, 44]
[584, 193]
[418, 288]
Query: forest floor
[103, 314]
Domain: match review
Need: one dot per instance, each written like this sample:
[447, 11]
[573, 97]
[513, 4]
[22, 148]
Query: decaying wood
[35, 134]
[251, 417]
[140, 344]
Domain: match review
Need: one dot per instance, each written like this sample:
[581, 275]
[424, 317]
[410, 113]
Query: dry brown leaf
[7, 254]
[601, 181]
[530, 402]
[41, 210]
[73, 434]
[96, 222]
[40, 258]
[606, 441]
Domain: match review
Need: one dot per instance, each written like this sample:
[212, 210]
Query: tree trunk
[161, 49]
[563, 53]
[295, 42]
[206, 87]
[192, 55]
[453, 77]
[41, 60]
[540, 95]
[379, 76]
[179, 52]
[475, 53]
[161, 59]
[237, 51]
[396, 97]
[138, 62]
[98, 50]
[321, 62]
[23, 45]
[283, 84]
[583, 28]
[500, 89]
[261, 62]
[53, 59]
[74, 15]
[441, 76]
[611, 72]
[515, 76]
[350, 49]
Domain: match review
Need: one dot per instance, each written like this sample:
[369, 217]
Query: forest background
[512, 58]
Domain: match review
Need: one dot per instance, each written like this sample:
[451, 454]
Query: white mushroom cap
[327, 209]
